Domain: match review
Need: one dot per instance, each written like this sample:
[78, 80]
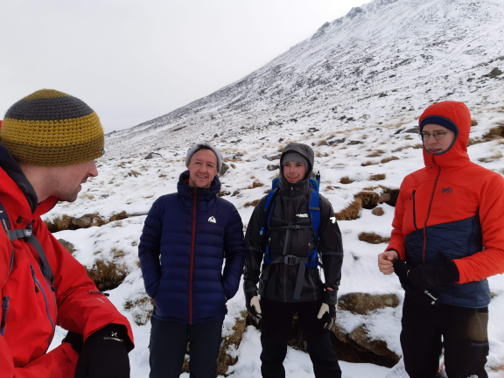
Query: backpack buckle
[291, 260]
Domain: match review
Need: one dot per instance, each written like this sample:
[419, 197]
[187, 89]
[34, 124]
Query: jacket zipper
[52, 290]
[192, 257]
[428, 212]
[285, 243]
[414, 211]
[39, 287]
[5, 306]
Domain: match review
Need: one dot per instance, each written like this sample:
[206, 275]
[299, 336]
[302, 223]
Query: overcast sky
[132, 61]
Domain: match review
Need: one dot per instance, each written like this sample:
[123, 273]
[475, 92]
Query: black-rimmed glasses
[438, 135]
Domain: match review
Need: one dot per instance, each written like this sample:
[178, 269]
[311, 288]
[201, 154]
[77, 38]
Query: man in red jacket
[49, 141]
[447, 238]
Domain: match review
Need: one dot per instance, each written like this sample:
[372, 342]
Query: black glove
[105, 354]
[417, 295]
[430, 276]
[327, 310]
[255, 313]
[76, 340]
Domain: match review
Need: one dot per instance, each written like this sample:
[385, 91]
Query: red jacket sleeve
[58, 363]
[490, 260]
[81, 308]
[397, 236]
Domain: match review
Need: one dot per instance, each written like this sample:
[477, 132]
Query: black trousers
[168, 343]
[465, 340]
[276, 327]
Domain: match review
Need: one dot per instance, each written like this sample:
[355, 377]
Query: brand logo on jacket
[302, 215]
[333, 219]
[447, 190]
[212, 220]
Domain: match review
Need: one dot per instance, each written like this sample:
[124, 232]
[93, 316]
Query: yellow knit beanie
[50, 128]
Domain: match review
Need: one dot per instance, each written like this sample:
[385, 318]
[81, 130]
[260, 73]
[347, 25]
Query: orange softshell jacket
[453, 209]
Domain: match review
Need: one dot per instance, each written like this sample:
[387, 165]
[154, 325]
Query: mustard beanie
[50, 128]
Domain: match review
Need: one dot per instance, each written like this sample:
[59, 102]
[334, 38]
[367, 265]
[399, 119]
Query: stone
[224, 169]
[378, 211]
[273, 167]
[379, 347]
[363, 303]
[153, 155]
[83, 222]
[67, 245]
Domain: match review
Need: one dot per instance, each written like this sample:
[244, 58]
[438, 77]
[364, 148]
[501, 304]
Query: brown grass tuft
[252, 203]
[346, 180]
[351, 212]
[495, 133]
[369, 199]
[107, 275]
[489, 159]
[119, 216]
[371, 237]
[376, 153]
[255, 184]
[322, 143]
[377, 177]
[369, 162]
[474, 122]
[386, 160]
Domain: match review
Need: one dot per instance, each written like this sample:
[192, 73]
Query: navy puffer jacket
[185, 239]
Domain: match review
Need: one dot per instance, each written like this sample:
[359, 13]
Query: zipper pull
[34, 283]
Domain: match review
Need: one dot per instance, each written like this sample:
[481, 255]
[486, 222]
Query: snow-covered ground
[353, 92]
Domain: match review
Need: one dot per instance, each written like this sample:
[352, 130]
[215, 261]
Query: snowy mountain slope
[354, 91]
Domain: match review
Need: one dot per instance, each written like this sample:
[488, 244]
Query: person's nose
[92, 171]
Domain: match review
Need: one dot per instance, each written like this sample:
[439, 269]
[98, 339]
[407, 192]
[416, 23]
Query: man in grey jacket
[281, 230]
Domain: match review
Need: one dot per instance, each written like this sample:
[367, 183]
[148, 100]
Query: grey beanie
[294, 156]
[200, 146]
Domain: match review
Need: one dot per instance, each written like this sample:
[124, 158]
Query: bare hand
[386, 260]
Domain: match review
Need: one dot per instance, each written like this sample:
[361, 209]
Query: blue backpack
[309, 261]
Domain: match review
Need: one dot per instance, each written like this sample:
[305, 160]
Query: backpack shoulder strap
[27, 234]
[4, 218]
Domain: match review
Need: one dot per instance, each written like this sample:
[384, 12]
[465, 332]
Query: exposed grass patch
[377, 177]
[255, 184]
[251, 203]
[351, 212]
[376, 153]
[107, 275]
[386, 160]
[141, 309]
[372, 238]
[494, 133]
[489, 159]
[223, 193]
[369, 162]
[346, 180]
[369, 200]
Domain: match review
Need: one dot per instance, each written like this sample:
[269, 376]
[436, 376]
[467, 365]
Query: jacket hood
[457, 114]
[306, 152]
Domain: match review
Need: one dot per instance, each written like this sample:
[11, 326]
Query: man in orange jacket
[49, 141]
[447, 238]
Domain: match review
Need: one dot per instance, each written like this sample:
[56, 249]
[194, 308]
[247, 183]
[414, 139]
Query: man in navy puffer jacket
[186, 237]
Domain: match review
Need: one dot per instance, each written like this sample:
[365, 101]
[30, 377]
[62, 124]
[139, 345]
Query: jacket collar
[17, 193]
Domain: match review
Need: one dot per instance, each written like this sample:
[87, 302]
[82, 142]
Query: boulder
[363, 303]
